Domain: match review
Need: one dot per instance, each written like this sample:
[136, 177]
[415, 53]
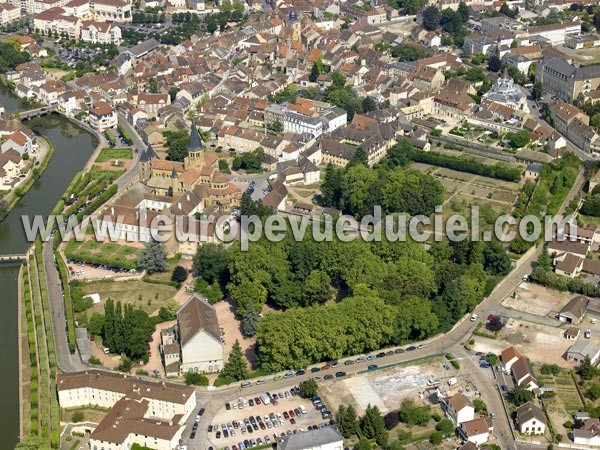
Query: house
[459, 409]
[559, 248]
[327, 438]
[18, 141]
[533, 170]
[582, 349]
[530, 419]
[103, 116]
[199, 336]
[574, 311]
[519, 367]
[277, 197]
[476, 431]
[588, 434]
[9, 13]
[572, 333]
[11, 166]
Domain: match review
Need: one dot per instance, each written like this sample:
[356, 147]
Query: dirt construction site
[386, 388]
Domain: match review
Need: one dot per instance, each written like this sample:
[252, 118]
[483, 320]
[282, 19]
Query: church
[506, 92]
[198, 173]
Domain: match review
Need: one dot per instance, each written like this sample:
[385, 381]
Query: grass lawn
[148, 296]
[98, 172]
[109, 253]
[106, 154]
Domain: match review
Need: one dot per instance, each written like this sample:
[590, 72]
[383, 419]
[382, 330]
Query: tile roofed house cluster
[520, 368]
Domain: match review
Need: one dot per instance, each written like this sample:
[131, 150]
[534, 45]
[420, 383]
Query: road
[67, 361]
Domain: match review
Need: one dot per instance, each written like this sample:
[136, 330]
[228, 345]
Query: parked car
[373, 367]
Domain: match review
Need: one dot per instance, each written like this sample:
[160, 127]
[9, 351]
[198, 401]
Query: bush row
[62, 269]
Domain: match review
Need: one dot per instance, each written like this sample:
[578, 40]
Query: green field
[102, 253]
[106, 154]
[147, 296]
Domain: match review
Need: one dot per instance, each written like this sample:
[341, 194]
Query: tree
[494, 63]
[594, 391]
[550, 369]
[518, 139]
[153, 257]
[236, 367]
[360, 156]
[436, 437]
[596, 20]
[492, 359]
[249, 321]
[495, 258]
[479, 405]
[363, 444]
[586, 369]
[495, 324]
[211, 262]
[314, 73]
[595, 120]
[521, 395]
[411, 414]
[373, 426]
[317, 288]
[368, 104]
[308, 388]
[464, 11]
[446, 426]
[544, 261]
[179, 274]
[347, 421]
[168, 311]
[538, 91]
[196, 379]
[431, 18]
[95, 324]
[276, 126]
[177, 142]
[248, 293]
[77, 417]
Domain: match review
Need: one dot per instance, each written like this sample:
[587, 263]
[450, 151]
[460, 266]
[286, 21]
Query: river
[72, 148]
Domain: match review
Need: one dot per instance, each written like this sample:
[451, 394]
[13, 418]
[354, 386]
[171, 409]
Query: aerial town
[159, 157]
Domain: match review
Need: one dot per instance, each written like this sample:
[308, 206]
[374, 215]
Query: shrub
[391, 420]
[196, 379]
[77, 417]
[179, 274]
[446, 426]
[94, 361]
[568, 425]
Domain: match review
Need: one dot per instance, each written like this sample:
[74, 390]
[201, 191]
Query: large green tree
[347, 421]
[211, 262]
[153, 257]
[236, 367]
[373, 426]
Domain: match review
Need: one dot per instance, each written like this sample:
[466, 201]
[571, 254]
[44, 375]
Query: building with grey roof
[199, 336]
[320, 439]
[582, 349]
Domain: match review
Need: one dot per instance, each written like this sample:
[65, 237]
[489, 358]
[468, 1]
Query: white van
[302, 409]
[265, 398]
[452, 381]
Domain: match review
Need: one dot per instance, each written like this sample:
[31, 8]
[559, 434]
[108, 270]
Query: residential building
[574, 311]
[111, 10]
[530, 419]
[459, 408]
[199, 336]
[143, 412]
[519, 367]
[103, 116]
[588, 434]
[566, 81]
[583, 349]
[100, 32]
[327, 438]
[11, 167]
[476, 431]
[532, 171]
[18, 141]
[9, 13]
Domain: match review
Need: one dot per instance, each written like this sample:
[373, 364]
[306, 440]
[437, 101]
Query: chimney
[187, 196]
[179, 205]
[112, 210]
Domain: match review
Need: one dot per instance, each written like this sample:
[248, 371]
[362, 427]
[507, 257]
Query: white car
[474, 317]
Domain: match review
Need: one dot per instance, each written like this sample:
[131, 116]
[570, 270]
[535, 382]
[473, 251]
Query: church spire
[195, 142]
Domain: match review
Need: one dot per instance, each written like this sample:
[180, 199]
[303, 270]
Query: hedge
[124, 135]
[62, 269]
[500, 171]
[111, 138]
[450, 357]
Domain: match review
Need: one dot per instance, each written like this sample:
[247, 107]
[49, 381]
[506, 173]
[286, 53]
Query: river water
[72, 148]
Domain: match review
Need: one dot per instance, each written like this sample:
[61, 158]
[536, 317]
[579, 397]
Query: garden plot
[564, 403]
[421, 167]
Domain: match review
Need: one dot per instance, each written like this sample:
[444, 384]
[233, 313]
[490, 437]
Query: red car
[286, 416]
[257, 401]
[326, 367]
[291, 413]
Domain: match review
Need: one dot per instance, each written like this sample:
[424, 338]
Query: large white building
[9, 13]
[199, 336]
[459, 409]
[103, 116]
[100, 32]
[143, 412]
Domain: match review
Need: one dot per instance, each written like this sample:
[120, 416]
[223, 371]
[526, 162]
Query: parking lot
[257, 423]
